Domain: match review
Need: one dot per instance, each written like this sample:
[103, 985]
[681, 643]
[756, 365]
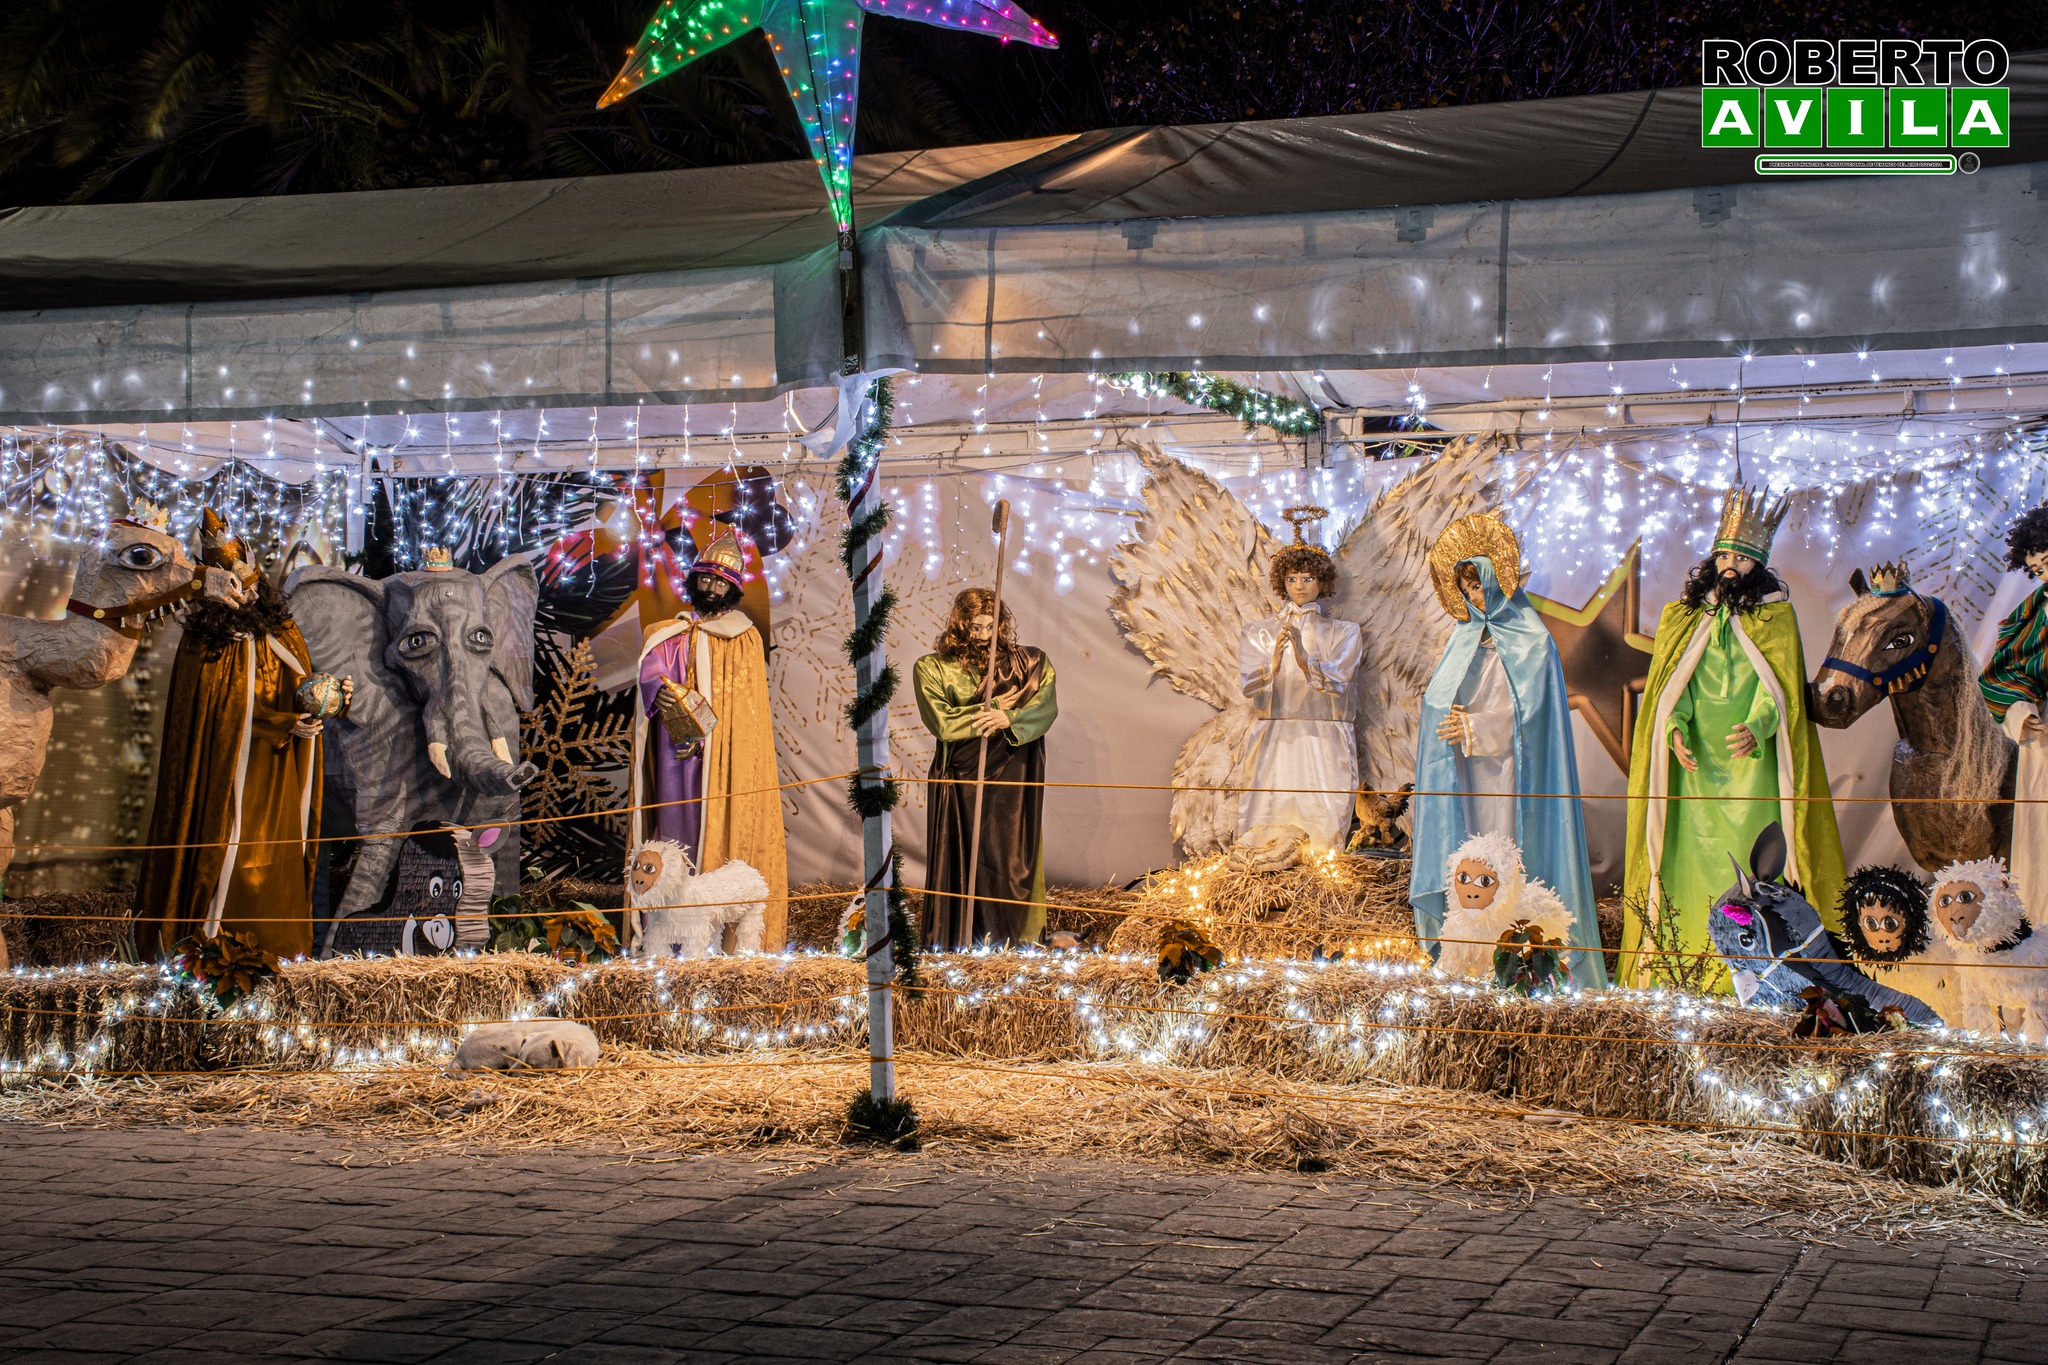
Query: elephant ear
[342, 617]
[511, 593]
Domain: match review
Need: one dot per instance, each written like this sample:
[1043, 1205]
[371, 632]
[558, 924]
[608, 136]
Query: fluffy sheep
[532, 1044]
[2000, 980]
[1487, 893]
[678, 914]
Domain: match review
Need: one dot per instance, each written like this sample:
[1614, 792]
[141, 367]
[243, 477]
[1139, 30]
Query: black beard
[215, 625]
[710, 595]
[1740, 593]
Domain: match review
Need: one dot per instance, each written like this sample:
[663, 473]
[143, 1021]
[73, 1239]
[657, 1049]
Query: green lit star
[817, 45]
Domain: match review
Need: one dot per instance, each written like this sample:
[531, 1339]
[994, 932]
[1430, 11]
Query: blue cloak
[1550, 832]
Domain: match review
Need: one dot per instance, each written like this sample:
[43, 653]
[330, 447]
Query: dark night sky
[135, 99]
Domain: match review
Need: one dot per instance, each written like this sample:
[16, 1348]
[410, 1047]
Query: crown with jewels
[723, 557]
[437, 559]
[1747, 525]
[1891, 579]
[148, 515]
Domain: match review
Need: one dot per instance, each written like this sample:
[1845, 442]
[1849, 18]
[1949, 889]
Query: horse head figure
[1887, 642]
[1952, 772]
[1774, 944]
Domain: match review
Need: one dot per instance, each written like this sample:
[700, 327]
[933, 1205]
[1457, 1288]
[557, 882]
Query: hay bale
[68, 928]
[1917, 1105]
[1331, 901]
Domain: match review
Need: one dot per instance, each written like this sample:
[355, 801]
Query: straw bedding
[1329, 901]
[64, 927]
[998, 1116]
[1619, 1055]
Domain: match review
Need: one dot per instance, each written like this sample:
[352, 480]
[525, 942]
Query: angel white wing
[1383, 585]
[1188, 583]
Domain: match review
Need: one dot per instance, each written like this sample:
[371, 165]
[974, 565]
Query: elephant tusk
[501, 748]
[437, 754]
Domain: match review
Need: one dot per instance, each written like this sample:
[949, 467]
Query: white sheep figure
[679, 913]
[1999, 983]
[528, 1045]
[1486, 894]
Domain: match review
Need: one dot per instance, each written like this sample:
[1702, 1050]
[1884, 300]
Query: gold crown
[218, 544]
[1482, 534]
[437, 559]
[1746, 526]
[145, 513]
[723, 556]
[1891, 578]
[1298, 516]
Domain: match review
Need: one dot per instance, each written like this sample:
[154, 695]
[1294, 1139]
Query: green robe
[1007, 903]
[1702, 683]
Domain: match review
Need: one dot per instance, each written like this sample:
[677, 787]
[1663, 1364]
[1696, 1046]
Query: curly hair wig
[1303, 559]
[1906, 896]
[2028, 536]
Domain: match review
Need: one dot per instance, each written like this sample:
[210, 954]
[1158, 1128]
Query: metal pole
[871, 741]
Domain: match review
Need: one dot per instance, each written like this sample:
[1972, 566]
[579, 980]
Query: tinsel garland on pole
[890, 939]
[1254, 407]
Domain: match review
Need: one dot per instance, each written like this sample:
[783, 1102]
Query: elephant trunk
[465, 743]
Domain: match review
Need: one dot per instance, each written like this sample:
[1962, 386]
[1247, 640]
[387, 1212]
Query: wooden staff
[964, 908]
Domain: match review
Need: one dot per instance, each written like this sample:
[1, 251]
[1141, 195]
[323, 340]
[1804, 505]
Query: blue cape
[1550, 832]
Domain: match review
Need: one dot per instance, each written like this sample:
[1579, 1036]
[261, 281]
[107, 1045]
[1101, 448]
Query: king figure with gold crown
[1296, 669]
[1725, 731]
[704, 773]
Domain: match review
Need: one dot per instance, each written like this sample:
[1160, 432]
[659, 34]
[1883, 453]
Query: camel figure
[136, 573]
[1893, 642]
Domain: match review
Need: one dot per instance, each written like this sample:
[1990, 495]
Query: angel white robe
[1302, 764]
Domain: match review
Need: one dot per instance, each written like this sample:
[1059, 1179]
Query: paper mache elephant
[443, 664]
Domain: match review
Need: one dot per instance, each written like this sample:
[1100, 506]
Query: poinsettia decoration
[227, 966]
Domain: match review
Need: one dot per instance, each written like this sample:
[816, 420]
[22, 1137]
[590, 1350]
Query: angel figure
[1196, 580]
[1295, 669]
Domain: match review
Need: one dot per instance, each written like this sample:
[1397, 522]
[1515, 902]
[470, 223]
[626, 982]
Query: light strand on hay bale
[872, 791]
[1393, 1022]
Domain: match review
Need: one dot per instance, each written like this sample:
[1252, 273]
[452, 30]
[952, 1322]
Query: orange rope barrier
[407, 834]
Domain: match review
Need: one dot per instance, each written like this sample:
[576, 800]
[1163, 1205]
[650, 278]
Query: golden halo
[1297, 516]
[1481, 533]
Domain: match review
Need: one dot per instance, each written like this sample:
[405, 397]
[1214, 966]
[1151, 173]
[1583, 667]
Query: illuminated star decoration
[817, 46]
[1602, 648]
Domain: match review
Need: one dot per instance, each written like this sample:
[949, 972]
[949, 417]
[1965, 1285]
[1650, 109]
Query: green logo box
[1979, 116]
[1792, 116]
[1729, 117]
[1919, 116]
[1856, 116]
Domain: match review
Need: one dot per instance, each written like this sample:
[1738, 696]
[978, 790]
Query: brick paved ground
[225, 1245]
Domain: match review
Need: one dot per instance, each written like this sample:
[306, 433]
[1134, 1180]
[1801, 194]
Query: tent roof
[97, 255]
[102, 255]
[1537, 149]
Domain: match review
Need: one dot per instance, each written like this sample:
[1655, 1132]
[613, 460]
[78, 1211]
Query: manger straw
[963, 911]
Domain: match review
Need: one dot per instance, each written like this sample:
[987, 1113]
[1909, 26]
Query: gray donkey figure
[443, 663]
[1774, 944]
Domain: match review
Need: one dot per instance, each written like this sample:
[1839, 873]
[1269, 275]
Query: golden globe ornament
[319, 696]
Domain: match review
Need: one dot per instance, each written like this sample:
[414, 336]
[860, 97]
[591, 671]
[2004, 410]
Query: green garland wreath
[1254, 407]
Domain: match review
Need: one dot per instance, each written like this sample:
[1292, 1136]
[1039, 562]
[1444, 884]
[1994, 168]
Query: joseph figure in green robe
[1724, 730]
[996, 734]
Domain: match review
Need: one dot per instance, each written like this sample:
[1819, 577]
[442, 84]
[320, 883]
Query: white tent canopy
[1552, 231]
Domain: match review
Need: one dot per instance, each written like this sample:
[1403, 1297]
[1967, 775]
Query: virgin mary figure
[1494, 752]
